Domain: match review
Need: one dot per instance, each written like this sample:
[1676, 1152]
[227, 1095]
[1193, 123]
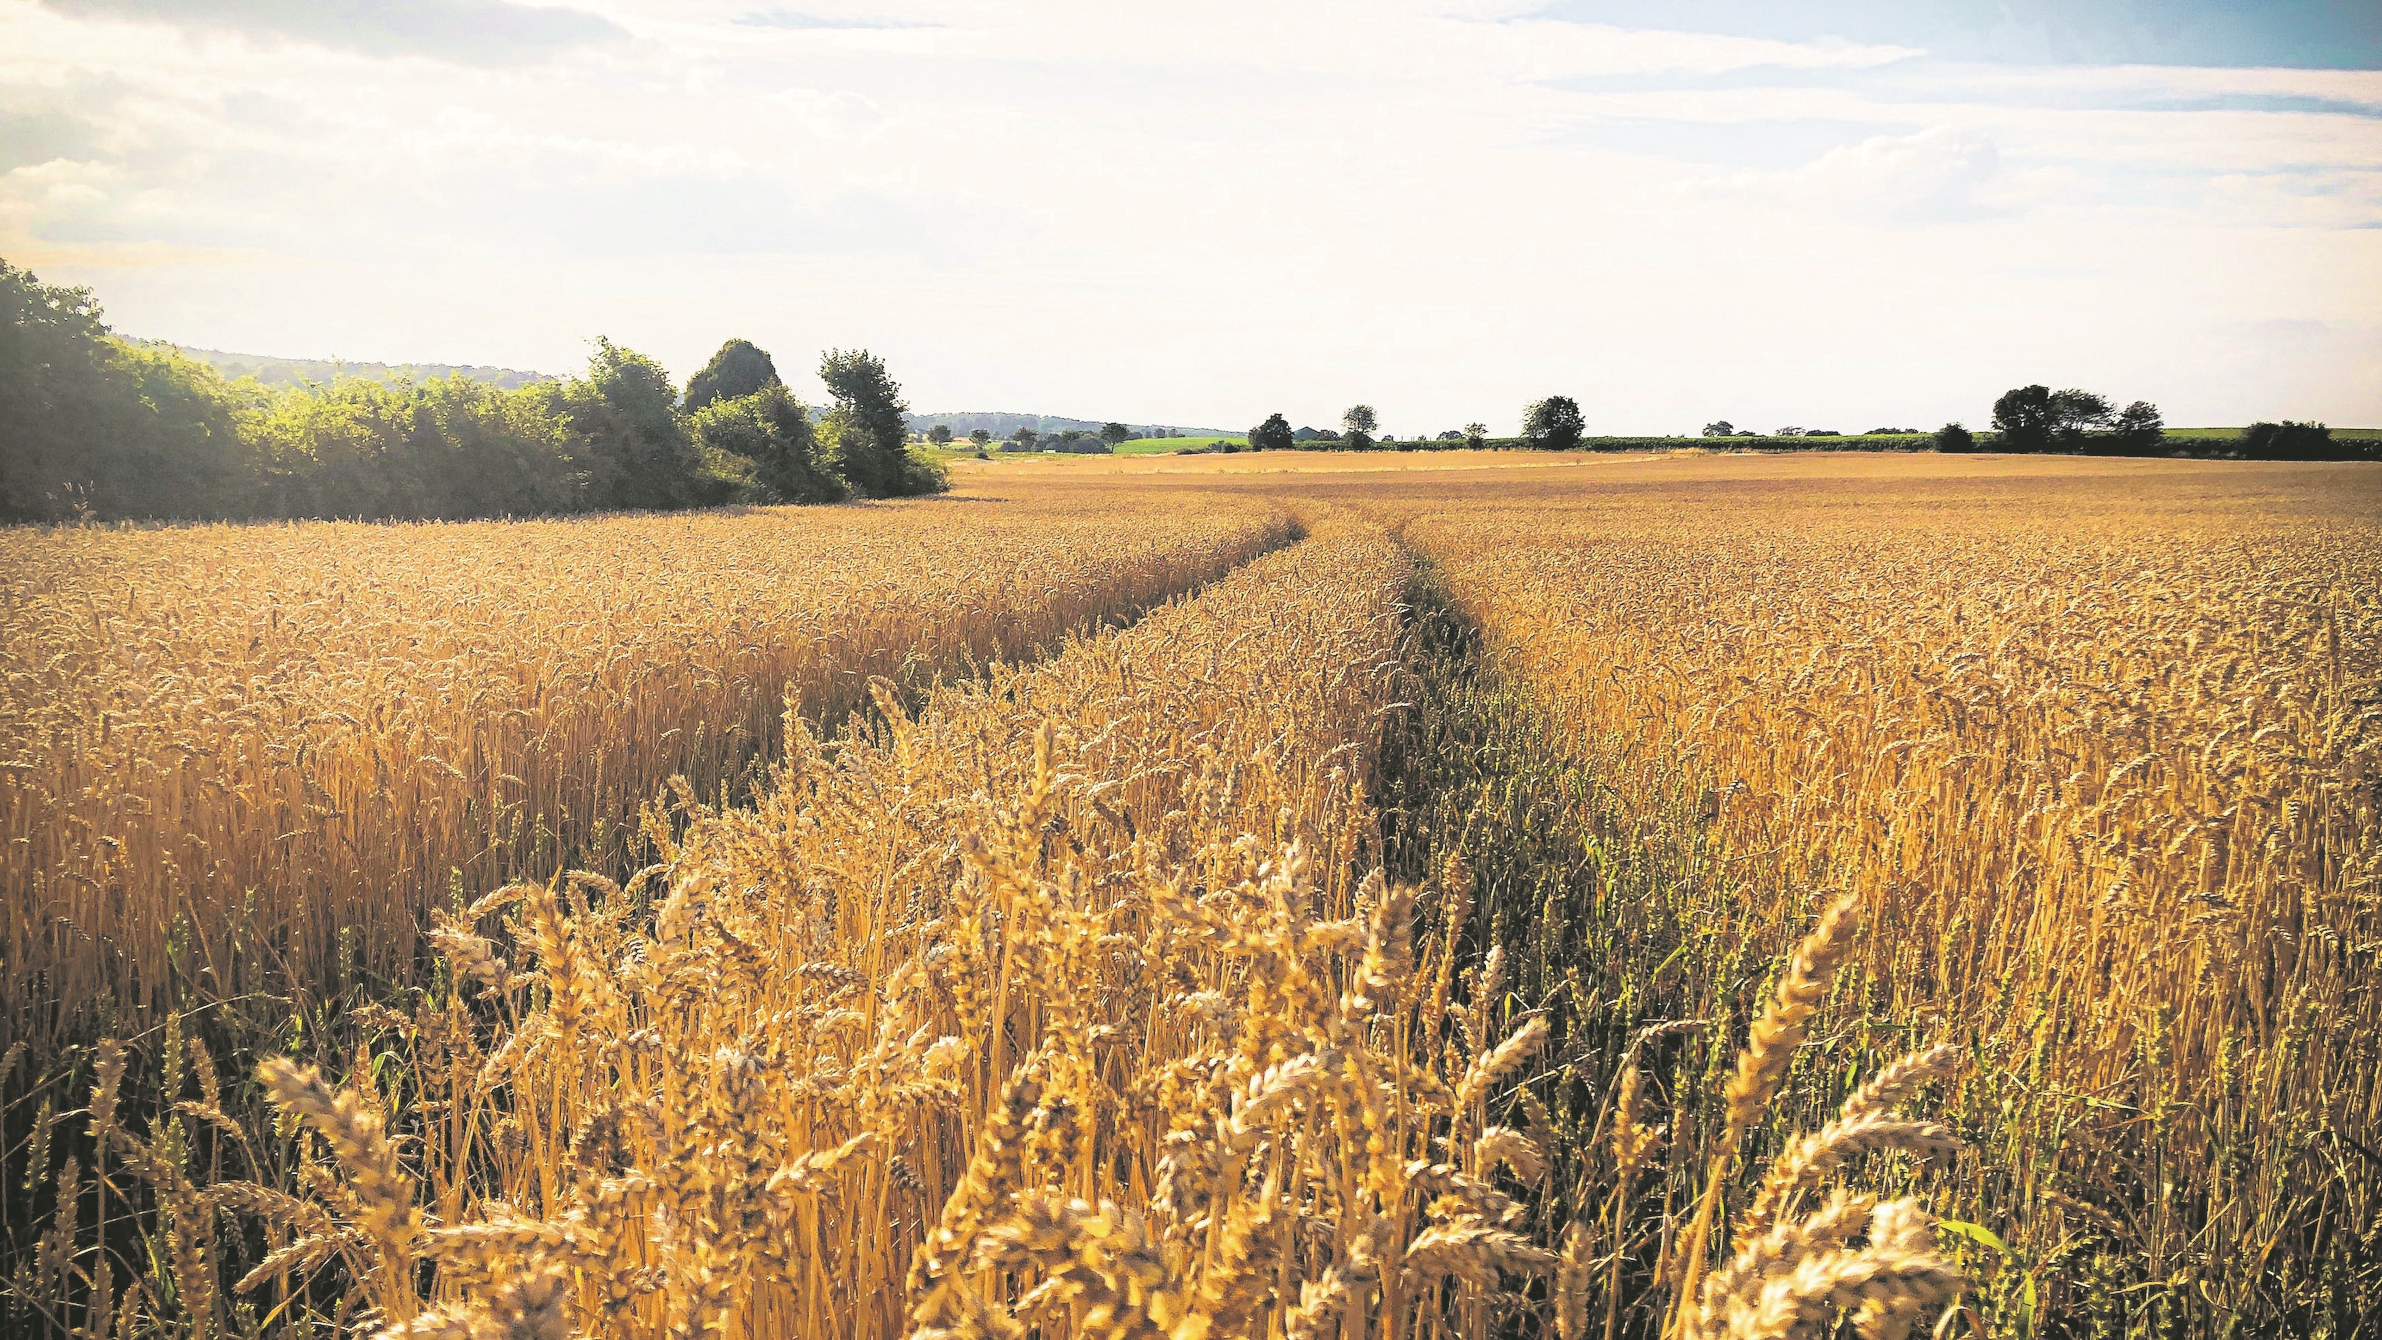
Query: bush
[769, 433]
[2287, 441]
[1953, 437]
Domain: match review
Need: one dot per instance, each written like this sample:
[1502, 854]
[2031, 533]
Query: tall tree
[1115, 434]
[739, 369]
[866, 435]
[1553, 424]
[2024, 418]
[1272, 435]
[1360, 421]
[2139, 429]
[2075, 412]
[630, 439]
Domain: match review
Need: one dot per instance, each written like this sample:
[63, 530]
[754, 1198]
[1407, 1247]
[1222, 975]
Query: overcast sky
[1846, 215]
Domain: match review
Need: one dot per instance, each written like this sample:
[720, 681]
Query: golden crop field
[259, 754]
[2107, 767]
[1686, 897]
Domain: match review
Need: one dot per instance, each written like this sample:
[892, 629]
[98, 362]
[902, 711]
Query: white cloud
[1944, 174]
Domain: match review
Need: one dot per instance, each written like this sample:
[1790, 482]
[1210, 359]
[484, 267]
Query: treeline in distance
[2026, 419]
[94, 427]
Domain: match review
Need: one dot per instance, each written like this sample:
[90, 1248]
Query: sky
[1846, 214]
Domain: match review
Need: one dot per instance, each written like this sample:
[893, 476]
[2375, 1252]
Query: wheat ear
[1761, 1067]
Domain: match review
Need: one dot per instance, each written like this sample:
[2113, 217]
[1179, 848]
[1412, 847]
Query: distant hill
[1002, 424]
[299, 371]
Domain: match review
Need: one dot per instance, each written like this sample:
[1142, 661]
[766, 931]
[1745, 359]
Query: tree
[2139, 430]
[90, 424]
[940, 435]
[1553, 424]
[1024, 437]
[1358, 423]
[2024, 418]
[866, 436]
[2076, 412]
[1272, 435]
[1476, 435]
[738, 369]
[1953, 437]
[1720, 428]
[770, 431]
[2036, 418]
[1115, 434]
[623, 415]
[980, 436]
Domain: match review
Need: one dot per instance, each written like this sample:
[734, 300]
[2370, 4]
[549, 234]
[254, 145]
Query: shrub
[1953, 437]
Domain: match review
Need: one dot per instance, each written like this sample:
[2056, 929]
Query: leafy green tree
[980, 436]
[628, 436]
[1720, 428]
[90, 425]
[2037, 418]
[866, 436]
[1359, 421]
[1115, 434]
[1953, 437]
[2138, 429]
[769, 432]
[940, 435]
[739, 369]
[1272, 435]
[2024, 418]
[1476, 435]
[1553, 424]
[1025, 438]
[2075, 412]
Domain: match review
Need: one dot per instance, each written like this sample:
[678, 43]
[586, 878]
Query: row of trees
[1552, 424]
[92, 426]
[1076, 440]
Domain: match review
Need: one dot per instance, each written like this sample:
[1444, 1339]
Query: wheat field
[2106, 772]
[256, 755]
[1693, 897]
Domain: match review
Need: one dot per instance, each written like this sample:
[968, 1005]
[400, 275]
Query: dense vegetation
[96, 427]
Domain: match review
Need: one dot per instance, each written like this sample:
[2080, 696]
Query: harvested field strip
[2110, 787]
[241, 759]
